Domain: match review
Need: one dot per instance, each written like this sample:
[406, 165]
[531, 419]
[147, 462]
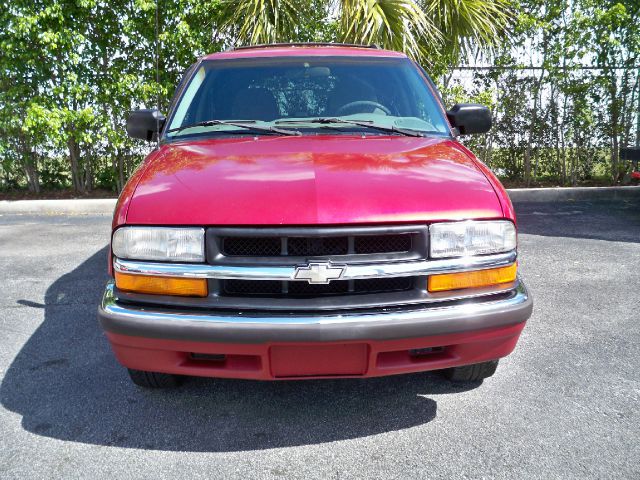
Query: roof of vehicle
[303, 49]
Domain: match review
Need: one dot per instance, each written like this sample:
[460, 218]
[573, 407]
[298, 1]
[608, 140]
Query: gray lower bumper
[241, 327]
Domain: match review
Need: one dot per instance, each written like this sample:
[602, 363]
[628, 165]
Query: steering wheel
[361, 103]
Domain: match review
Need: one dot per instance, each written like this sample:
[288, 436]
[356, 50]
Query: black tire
[471, 373]
[154, 379]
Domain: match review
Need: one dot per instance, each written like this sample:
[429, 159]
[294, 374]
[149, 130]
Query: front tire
[154, 379]
[471, 373]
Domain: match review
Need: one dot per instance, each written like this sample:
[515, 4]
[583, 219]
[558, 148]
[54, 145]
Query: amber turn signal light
[478, 278]
[184, 287]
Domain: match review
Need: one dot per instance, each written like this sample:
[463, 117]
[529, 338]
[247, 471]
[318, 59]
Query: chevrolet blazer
[310, 213]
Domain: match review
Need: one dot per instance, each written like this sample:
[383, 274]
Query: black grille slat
[382, 243]
[304, 289]
[314, 246]
[379, 285]
[252, 246]
[252, 288]
[275, 288]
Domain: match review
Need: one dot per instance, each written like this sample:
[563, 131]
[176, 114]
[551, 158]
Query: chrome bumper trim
[284, 273]
[376, 324]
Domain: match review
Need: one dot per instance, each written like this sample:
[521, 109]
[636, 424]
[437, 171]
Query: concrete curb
[105, 206]
[564, 194]
[80, 206]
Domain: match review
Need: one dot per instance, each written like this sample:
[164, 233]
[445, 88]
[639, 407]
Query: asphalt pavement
[565, 404]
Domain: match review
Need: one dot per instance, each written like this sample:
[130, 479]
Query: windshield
[384, 92]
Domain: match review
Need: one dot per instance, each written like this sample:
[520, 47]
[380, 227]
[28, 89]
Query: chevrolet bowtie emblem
[319, 272]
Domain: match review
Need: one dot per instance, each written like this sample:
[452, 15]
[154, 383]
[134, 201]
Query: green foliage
[260, 21]
[567, 118]
[430, 31]
[467, 27]
[71, 70]
[393, 24]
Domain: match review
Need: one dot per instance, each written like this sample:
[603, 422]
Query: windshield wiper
[361, 123]
[248, 124]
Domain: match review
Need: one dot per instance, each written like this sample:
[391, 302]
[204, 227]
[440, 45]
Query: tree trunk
[88, 174]
[615, 169]
[33, 178]
[614, 112]
[563, 157]
[638, 111]
[121, 174]
[29, 163]
[74, 157]
[561, 128]
[534, 119]
[574, 173]
[627, 108]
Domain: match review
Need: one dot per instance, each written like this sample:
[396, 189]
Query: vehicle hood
[311, 180]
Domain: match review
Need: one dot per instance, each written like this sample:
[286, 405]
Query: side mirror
[470, 118]
[145, 123]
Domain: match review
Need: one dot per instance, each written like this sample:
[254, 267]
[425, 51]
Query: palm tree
[417, 28]
[253, 22]
[469, 24]
[393, 24]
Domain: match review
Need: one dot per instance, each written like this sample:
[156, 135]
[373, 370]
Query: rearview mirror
[145, 123]
[470, 118]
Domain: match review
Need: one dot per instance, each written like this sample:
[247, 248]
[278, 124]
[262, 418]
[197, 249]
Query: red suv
[309, 213]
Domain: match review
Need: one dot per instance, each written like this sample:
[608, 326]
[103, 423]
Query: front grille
[294, 246]
[263, 247]
[298, 289]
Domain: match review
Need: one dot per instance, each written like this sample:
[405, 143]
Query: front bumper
[349, 344]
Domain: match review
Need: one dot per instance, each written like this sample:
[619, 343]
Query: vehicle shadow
[66, 384]
[617, 221]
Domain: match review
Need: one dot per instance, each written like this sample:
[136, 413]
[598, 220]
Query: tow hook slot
[208, 357]
[423, 352]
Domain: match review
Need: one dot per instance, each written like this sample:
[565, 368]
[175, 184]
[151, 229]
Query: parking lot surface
[565, 404]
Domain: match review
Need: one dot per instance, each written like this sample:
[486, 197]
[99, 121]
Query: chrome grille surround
[352, 271]
[287, 283]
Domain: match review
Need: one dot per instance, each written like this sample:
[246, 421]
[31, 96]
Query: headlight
[161, 244]
[459, 239]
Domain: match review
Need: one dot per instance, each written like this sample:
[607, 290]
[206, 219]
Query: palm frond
[252, 22]
[393, 24]
[469, 24]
